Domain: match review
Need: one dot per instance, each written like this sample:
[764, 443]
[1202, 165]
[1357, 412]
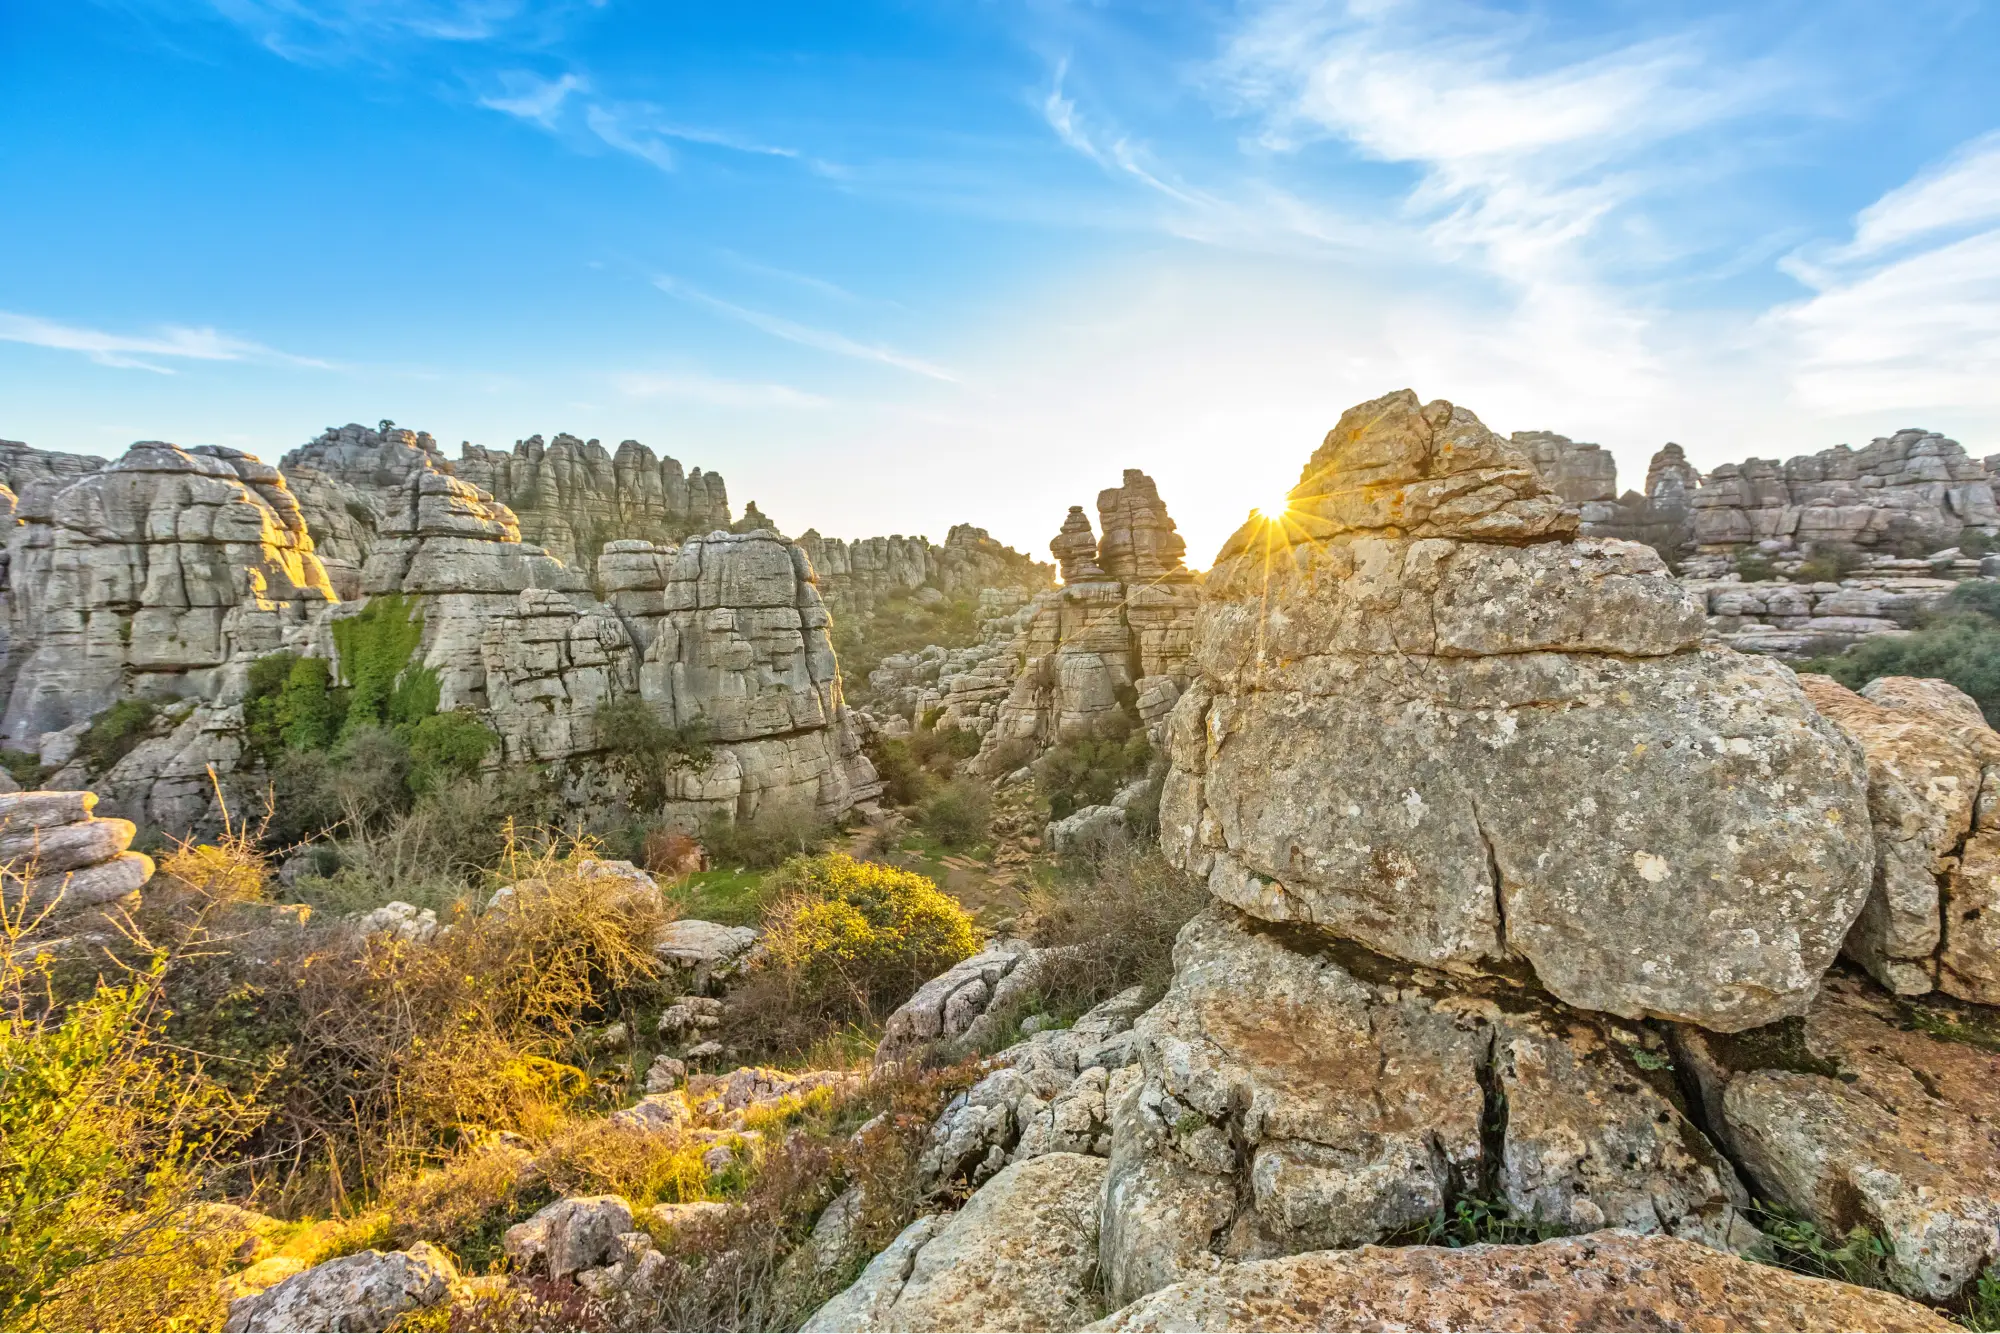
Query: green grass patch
[733, 896]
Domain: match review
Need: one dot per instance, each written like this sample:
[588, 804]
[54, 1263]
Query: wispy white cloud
[714, 391]
[805, 335]
[805, 280]
[331, 31]
[143, 352]
[534, 98]
[1907, 312]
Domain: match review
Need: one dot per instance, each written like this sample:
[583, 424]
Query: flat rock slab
[1607, 1280]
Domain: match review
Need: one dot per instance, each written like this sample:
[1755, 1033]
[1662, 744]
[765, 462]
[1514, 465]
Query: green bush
[960, 814]
[117, 732]
[1959, 643]
[375, 648]
[1972, 542]
[648, 752]
[853, 939]
[1829, 564]
[24, 767]
[445, 746]
[899, 624]
[904, 780]
[1088, 770]
[765, 839]
[1753, 566]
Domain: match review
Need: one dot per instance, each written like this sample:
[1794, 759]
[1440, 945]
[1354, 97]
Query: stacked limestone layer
[62, 858]
[1797, 620]
[345, 479]
[572, 496]
[856, 575]
[1914, 487]
[148, 577]
[170, 572]
[1116, 638]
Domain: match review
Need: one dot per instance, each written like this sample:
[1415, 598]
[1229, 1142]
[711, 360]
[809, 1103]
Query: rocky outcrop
[1112, 643]
[1398, 681]
[57, 856]
[1298, 1094]
[348, 480]
[572, 496]
[1583, 474]
[952, 1007]
[365, 1291]
[1871, 1113]
[1018, 1256]
[1802, 618]
[1608, 1280]
[149, 577]
[1932, 918]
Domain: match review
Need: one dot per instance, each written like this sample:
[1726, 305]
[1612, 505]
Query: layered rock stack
[57, 857]
[572, 496]
[1114, 640]
[169, 573]
[1914, 488]
[147, 577]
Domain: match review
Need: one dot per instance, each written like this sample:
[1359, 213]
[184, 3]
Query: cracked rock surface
[1426, 719]
[1296, 1097]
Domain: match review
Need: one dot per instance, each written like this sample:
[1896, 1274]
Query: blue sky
[893, 266]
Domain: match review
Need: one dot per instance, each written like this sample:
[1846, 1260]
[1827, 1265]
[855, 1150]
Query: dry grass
[1118, 919]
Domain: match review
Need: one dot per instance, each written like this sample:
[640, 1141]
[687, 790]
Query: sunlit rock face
[148, 576]
[1427, 718]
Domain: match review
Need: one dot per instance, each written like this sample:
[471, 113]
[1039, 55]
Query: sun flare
[1275, 512]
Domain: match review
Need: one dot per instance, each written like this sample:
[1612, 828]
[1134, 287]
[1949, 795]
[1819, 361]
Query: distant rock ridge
[1912, 488]
[856, 575]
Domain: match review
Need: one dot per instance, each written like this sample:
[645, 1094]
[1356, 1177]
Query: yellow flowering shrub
[854, 938]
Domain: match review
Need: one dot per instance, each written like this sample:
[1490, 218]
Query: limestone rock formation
[148, 577]
[1608, 1280]
[1583, 474]
[572, 496]
[1299, 1095]
[1933, 916]
[347, 479]
[365, 1291]
[857, 577]
[1114, 640]
[1914, 487]
[1859, 1116]
[1018, 1256]
[953, 1005]
[56, 855]
[1426, 719]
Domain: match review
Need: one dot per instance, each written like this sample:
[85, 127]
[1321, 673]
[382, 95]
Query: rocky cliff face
[148, 577]
[170, 572]
[569, 497]
[856, 576]
[572, 496]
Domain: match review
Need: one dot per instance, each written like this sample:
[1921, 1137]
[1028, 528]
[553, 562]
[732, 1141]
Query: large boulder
[1933, 916]
[1608, 1280]
[1301, 1094]
[1874, 1111]
[1021, 1255]
[570, 1235]
[367, 1291]
[1428, 720]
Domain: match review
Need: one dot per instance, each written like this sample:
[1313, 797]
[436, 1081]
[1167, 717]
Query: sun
[1273, 513]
